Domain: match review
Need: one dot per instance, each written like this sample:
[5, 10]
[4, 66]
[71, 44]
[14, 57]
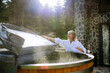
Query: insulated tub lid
[16, 41]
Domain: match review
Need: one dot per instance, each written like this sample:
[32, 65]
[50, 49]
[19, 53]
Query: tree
[69, 12]
[60, 19]
[3, 17]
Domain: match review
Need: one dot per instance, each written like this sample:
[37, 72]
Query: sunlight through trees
[39, 17]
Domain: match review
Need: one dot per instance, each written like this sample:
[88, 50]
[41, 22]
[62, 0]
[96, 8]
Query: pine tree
[69, 12]
[2, 11]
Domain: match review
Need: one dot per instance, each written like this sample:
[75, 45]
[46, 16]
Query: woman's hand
[49, 38]
[80, 49]
[45, 36]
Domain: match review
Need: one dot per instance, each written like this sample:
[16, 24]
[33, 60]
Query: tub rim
[58, 65]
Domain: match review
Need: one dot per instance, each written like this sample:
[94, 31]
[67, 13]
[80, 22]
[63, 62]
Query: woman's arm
[49, 38]
[80, 49]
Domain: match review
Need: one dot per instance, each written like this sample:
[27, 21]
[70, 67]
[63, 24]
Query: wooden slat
[59, 70]
[90, 64]
[32, 71]
[92, 72]
[67, 70]
[22, 71]
[50, 71]
[74, 69]
[82, 67]
[86, 66]
[41, 71]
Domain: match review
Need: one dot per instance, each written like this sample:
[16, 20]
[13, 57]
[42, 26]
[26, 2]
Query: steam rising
[61, 57]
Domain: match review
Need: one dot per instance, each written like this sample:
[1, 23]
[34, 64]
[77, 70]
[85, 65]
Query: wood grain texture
[60, 70]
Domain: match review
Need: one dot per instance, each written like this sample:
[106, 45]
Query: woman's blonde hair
[73, 33]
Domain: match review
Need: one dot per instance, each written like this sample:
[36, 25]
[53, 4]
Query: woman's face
[70, 36]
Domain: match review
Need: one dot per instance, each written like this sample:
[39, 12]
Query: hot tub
[37, 55]
[60, 62]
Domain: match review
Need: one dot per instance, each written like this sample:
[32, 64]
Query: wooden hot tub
[65, 63]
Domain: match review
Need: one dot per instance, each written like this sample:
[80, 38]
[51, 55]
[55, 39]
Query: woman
[71, 45]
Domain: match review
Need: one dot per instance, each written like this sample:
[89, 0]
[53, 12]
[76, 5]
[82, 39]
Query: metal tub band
[58, 65]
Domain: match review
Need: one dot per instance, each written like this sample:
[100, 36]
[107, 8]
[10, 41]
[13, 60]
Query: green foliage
[3, 14]
[32, 15]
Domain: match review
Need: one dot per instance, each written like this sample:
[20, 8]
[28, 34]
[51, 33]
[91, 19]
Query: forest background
[44, 20]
